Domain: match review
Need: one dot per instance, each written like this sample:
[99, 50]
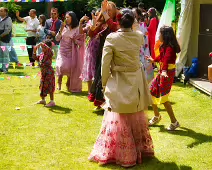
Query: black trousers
[30, 42]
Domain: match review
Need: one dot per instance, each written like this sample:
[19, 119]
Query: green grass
[36, 137]
[19, 29]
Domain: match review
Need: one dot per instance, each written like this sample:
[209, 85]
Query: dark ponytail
[127, 19]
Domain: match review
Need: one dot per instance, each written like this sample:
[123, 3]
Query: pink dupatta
[77, 44]
[78, 50]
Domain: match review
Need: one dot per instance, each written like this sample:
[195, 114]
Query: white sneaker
[173, 126]
[155, 120]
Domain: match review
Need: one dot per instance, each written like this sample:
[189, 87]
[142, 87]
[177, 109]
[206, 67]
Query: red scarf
[53, 27]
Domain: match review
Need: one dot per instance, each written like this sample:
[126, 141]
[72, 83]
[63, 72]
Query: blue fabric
[193, 71]
[13, 55]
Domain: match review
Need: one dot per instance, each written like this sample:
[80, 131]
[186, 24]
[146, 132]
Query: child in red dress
[47, 82]
[161, 85]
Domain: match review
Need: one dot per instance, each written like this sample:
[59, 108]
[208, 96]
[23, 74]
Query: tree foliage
[12, 7]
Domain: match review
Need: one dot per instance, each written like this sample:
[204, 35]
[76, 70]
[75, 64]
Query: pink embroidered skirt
[124, 139]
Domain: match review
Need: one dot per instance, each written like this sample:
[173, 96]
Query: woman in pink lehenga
[124, 137]
[70, 56]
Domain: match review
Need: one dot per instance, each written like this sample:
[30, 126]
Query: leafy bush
[12, 7]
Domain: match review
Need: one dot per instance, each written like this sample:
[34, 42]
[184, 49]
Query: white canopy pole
[184, 33]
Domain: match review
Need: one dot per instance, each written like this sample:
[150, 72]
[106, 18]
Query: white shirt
[31, 24]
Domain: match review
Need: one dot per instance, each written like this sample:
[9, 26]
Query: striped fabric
[10, 0]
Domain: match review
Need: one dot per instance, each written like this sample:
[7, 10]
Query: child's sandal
[41, 102]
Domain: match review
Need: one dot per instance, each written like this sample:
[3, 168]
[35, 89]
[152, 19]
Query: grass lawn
[62, 137]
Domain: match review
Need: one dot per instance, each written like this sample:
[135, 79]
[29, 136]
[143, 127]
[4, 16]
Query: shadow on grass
[15, 73]
[60, 110]
[198, 137]
[19, 68]
[99, 112]
[179, 84]
[82, 94]
[159, 109]
[152, 164]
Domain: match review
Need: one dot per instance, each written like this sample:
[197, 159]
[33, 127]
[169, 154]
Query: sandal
[155, 120]
[173, 126]
[41, 102]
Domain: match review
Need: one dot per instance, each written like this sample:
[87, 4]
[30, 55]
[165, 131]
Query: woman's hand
[93, 19]
[84, 18]
[164, 74]
[63, 24]
[150, 59]
[104, 5]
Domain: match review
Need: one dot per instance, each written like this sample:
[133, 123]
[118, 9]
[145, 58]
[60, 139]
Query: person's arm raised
[18, 16]
[84, 18]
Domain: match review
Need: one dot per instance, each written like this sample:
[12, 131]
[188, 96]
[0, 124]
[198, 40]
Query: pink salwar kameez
[70, 57]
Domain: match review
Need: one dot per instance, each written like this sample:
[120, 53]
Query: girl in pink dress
[47, 82]
[71, 53]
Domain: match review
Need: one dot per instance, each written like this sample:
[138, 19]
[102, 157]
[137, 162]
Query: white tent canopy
[184, 33]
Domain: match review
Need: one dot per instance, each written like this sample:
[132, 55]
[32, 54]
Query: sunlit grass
[36, 137]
